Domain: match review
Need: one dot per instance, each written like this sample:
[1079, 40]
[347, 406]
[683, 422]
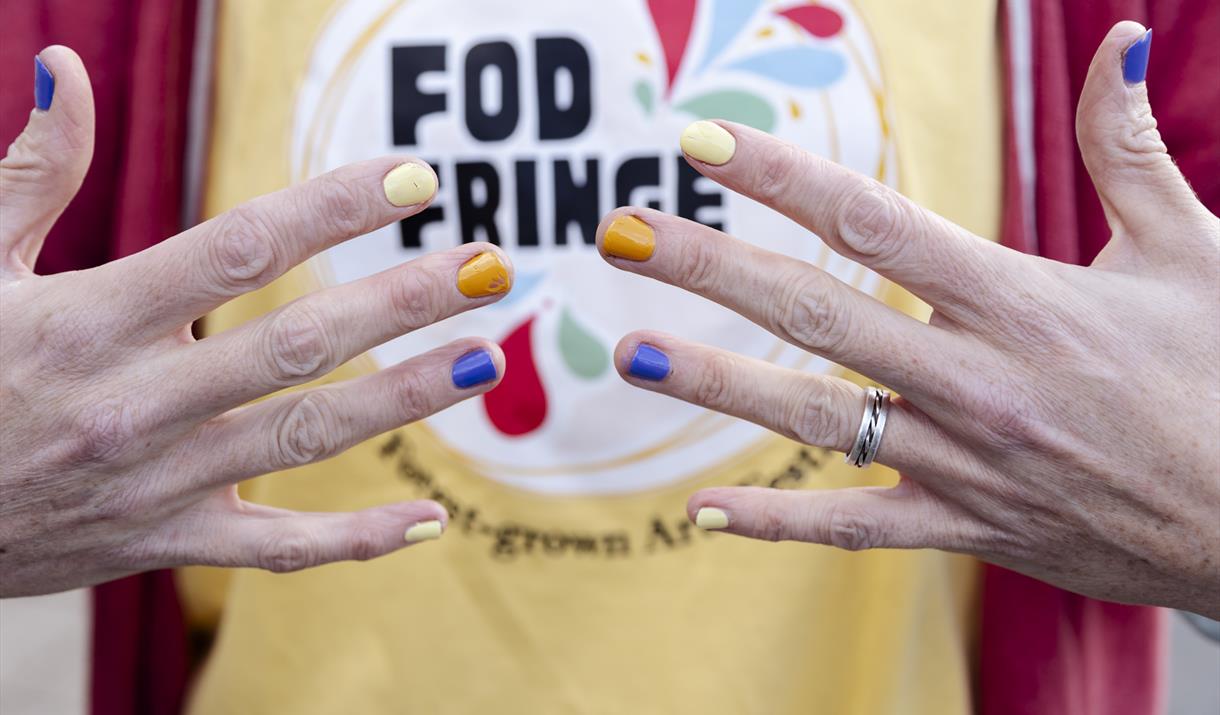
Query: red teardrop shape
[818, 20]
[673, 20]
[517, 406]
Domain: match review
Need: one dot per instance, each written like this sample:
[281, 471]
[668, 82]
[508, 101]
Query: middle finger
[308, 338]
[794, 300]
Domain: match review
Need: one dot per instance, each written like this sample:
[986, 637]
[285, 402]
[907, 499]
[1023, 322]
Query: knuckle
[812, 417]
[65, 338]
[307, 432]
[297, 344]
[415, 298]
[1008, 419]
[852, 529]
[1140, 140]
[773, 525]
[714, 386]
[364, 544]
[810, 314]
[241, 253]
[775, 174]
[102, 433]
[288, 551]
[873, 222]
[415, 396]
[699, 267]
[341, 208]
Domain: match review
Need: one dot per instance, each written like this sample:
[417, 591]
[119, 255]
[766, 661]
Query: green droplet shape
[733, 105]
[643, 95]
[582, 352]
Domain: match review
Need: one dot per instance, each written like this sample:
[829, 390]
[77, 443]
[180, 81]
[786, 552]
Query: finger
[1140, 187]
[799, 303]
[901, 517]
[278, 540]
[45, 166]
[181, 279]
[310, 337]
[813, 409]
[311, 425]
[856, 216]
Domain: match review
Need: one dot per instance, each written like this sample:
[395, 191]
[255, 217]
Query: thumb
[45, 166]
[1140, 187]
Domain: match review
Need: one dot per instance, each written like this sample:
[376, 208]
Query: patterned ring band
[872, 426]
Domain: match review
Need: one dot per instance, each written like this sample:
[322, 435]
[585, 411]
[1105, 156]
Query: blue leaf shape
[808, 67]
[728, 17]
[523, 285]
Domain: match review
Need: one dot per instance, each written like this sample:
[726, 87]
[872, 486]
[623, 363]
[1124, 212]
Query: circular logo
[539, 119]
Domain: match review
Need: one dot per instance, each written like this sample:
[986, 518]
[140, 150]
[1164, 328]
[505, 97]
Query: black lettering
[553, 54]
[637, 173]
[530, 537]
[472, 215]
[660, 534]
[505, 546]
[616, 544]
[527, 203]
[690, 200]
[576, 203]
[483, 125]
[407, 103]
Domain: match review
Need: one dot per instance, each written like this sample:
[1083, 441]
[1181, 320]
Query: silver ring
[872, 426]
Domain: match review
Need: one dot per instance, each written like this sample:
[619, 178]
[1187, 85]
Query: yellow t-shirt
[570, 579]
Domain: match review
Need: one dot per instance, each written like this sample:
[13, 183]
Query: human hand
[1058, 420]
[122, 435]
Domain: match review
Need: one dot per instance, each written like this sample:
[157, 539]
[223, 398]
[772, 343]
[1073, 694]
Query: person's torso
[570, 579]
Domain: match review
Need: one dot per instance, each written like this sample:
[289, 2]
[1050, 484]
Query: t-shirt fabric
[569, 579]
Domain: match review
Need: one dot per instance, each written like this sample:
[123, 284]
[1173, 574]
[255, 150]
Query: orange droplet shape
[517, 406]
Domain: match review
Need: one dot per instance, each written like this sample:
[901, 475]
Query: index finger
[187, 276]
[856, 216]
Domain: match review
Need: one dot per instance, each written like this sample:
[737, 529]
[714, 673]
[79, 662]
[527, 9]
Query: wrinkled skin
[1059, 420]
[122, 435]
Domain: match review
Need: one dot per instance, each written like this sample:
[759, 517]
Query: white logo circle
[540, 121]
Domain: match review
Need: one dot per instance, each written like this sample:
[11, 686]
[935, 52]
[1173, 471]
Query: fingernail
[409, 184]
[1135, 59]
[710, 518]
[708, 142]
[630, 238]
[473, 368]
[483, 275]
[44, 85]
[648, 363]
[424, 531]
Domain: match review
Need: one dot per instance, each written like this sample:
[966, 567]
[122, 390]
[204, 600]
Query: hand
[122, 435]
[1058, 420]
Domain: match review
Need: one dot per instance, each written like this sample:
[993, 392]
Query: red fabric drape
[138, 56]
[1044, 650]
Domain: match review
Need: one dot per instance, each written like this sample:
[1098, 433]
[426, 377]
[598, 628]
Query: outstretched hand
[1055, 419]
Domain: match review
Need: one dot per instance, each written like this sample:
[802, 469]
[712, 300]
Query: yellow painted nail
[483, 275]
[424, 531]
[409, 184]
[708, 142]
[711, 518]
[630, 238]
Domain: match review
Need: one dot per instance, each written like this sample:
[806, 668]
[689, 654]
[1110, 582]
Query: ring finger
[311, 425]
[789, 297]
[308, 338]
[813, 409]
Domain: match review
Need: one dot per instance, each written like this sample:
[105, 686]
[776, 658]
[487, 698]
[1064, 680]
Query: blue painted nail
[1135, 59]
[473, 368]
[648, 363]
[44, 85]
